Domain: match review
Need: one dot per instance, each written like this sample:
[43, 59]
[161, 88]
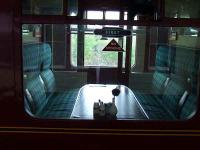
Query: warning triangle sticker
[113, 46]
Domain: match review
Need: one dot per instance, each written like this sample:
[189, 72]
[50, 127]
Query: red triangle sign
[113, 46]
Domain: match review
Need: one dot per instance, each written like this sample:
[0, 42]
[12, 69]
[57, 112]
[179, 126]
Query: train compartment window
[66, 75]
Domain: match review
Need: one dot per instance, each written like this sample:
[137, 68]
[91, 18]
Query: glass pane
[94, 27]
[74, 49]
[133, 50]
[124, 54]
[31, 33]
[42, 7]
[182, 8]
[94, 14]
[125, 15]
[164, 87]
[112, 15]
[174, 58]
[94, 56]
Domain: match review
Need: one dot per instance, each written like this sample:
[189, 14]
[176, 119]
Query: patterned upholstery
[163, 102]
[159, 115]
[46, 57]
[49, 80]
[162, 59]
[27, 105]
[172, 95]
[187, 64]
[41, 97]
[153, 106]
[189, 108]
[46, 72]
[162, 107]
[31, 60]
[147, 100]
[158, 82]
[37, 92]
[60, 105]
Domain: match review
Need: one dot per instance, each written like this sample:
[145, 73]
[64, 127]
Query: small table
[126, 102]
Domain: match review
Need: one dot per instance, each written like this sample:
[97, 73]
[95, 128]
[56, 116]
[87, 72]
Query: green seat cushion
[49, 81]
[60, 105]
[37, 95]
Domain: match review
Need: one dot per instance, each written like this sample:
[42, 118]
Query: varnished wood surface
[126, 103]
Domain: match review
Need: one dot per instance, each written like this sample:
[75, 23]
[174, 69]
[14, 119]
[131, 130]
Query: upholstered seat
[60, 105]
[41, 98]
[167, 90]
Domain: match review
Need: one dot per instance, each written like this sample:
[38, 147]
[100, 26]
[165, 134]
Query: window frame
[121, 13]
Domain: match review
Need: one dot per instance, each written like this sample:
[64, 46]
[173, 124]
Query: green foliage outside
[93, 54]
[74, 49]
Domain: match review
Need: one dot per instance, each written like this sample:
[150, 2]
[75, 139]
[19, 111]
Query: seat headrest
[31, 59]
[162, 59]
[187, 64]
[46, 56]
[36, 57]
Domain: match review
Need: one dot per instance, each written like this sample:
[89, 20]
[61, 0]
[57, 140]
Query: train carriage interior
[158, 64]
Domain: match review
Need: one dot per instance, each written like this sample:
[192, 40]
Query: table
[126, 102]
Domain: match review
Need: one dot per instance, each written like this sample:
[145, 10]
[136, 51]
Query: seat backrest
[34, 88]
[188, 108]
[159, 82]
[35, 94]
[31, 60]
[173, 93]
[183, 66]
[187, 66]
[161, 74]
[46, 70]
[162, 62]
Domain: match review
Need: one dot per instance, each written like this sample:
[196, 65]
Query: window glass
[125, 15]
[42, 7]
[133, 50]
[94, 56]
[94, 14]
[74, 49]
[94, 27]
[74, 27]
[111, 25]
[124, 54]
[32, 33]
[93, 90]
[112, 15]
[93, 46]
[182, 8]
